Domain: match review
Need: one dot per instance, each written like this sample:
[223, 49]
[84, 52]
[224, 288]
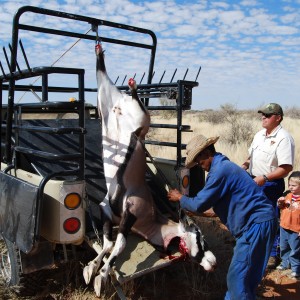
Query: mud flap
[18, 200]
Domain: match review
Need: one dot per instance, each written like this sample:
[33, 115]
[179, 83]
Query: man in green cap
[271, 158]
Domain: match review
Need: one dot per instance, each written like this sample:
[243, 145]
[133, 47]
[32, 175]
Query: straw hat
[195, 146]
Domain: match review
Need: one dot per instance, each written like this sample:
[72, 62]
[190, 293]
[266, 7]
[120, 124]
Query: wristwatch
[266, 178]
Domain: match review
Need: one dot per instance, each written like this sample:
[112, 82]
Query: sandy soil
[278, 285]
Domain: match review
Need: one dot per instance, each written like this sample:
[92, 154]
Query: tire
[10, 270]
[9, 262]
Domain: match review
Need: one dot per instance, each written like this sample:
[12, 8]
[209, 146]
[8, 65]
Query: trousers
[290, 249]
[249, 261]
[273, 190]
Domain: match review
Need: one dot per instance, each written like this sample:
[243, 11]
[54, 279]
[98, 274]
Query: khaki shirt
[269, 152]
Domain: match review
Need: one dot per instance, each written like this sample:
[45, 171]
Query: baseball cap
[272, 108]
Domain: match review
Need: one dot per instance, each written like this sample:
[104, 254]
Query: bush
[240, 129]
[167, 114]
[293, 113]
[212, 116]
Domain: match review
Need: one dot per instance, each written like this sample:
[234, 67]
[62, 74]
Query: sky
[249, 51]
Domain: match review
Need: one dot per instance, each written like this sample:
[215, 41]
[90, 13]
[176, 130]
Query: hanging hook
[95, 29]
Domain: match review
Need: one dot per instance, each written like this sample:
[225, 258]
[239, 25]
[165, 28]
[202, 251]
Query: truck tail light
[185, 181]
[72, 225]
[72, 200]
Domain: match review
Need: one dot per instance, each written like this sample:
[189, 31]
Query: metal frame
[180, 91]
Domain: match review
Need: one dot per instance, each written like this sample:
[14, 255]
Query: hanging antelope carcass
[128, 202]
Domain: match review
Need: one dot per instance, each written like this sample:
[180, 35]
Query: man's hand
[260, 180]
[174, 195]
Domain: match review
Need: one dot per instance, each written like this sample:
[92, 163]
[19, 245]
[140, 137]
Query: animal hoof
[86, 275]
[89, 271]
[97, 285]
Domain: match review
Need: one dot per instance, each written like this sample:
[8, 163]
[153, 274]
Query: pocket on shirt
[265, 155]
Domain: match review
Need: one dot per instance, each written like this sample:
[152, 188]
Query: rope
[55, 63]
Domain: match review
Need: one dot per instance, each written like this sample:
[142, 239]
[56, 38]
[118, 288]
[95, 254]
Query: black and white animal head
[194, 245]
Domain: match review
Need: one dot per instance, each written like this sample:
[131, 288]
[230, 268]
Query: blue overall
[248, 214]
[251, 255]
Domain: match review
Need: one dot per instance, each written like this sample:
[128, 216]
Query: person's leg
[273, 190]
[238, 270]
[249, 261]
[284, 248]
[294, 241]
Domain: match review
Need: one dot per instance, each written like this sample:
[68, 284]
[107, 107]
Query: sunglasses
[268, 115]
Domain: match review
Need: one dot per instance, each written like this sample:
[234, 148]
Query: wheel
[9, 262]
[11, 271]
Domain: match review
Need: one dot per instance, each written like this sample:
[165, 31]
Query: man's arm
[280, 172]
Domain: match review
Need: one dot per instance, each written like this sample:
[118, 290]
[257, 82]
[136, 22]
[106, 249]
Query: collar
[273, 132]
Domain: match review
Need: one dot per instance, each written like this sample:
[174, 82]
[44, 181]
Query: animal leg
[93, 266]
[141, 114]
[127, 221]
[91, 269]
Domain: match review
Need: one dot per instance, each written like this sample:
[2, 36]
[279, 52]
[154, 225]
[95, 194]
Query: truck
[51, 178]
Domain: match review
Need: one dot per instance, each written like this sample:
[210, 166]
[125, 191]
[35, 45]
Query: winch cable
[63, 54]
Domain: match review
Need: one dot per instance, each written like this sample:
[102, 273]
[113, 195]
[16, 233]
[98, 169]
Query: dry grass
[201, 124]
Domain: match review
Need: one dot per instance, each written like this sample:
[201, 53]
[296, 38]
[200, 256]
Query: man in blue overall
[242, 206]
[271, 158]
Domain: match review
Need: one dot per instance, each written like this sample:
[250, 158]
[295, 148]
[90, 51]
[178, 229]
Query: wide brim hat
[195, 146]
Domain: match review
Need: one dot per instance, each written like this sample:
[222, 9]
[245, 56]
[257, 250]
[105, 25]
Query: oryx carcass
[128, 202]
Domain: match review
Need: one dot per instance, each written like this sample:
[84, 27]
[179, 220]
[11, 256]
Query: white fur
[208, 261]
[91, 269]
[105, 270]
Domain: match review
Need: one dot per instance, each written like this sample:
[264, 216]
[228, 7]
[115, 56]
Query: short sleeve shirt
[269, 152]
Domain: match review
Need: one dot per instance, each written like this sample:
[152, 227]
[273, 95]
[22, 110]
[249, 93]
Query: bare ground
[278, 285]
[181, 281]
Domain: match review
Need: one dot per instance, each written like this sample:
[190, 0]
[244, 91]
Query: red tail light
[72, 225]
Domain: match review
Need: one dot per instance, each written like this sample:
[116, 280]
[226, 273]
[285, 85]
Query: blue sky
[249, 51]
